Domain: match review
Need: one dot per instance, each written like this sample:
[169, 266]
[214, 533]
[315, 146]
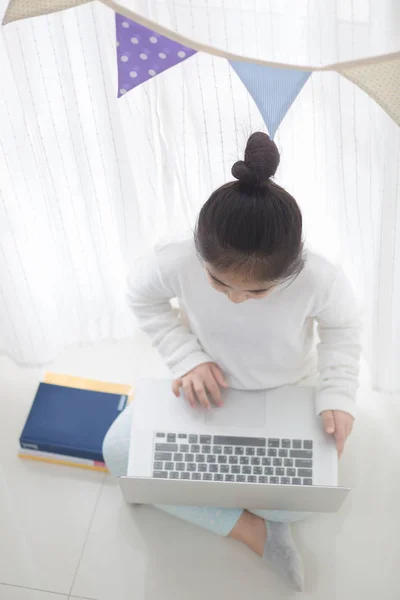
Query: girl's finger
[329, 421]
[189, 394]
[349, 428]
[201, 393]
[176, 387]
[219, 376]
[340, 436]
[213, 387]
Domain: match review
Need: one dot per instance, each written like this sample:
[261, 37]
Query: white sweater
[261, 343]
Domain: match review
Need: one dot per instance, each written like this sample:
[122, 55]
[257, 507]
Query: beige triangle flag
[380, 79]
[23, 9]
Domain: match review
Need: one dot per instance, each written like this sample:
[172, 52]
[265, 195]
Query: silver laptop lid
[233, 495]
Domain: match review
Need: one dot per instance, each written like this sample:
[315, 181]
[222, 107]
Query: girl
[252, 295]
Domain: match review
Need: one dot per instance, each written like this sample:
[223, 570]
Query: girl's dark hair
[252, 225]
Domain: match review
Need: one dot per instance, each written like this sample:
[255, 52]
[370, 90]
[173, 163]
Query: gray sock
[281, 552]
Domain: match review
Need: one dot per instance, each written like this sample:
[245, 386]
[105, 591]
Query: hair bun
[261, 160]
[242, 172]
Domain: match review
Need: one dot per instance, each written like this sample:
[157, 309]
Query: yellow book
[61, 459]
[88, 384]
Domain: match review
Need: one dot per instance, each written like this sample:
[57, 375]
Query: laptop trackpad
[241, 409]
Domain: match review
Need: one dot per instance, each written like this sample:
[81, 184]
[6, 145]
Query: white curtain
[88, 182]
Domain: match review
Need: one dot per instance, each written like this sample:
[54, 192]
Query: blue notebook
[70, 421]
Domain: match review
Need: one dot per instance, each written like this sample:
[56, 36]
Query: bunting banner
[143, 53]
[381, 81]
[146, 49]
[272, 89]
[381, 64]
[23, 9]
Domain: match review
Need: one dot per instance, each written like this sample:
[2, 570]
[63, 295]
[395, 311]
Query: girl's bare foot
[250, 530]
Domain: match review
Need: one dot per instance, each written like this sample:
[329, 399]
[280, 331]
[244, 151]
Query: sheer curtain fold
[88, 182]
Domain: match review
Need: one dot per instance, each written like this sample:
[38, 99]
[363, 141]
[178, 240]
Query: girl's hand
[339, 423]
[200, 384]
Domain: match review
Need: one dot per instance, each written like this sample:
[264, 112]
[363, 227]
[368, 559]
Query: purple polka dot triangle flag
[143, 54]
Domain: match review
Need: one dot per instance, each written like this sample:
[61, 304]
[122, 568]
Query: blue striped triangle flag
[272, 89]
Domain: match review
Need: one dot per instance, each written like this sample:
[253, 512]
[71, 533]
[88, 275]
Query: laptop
[261, 450]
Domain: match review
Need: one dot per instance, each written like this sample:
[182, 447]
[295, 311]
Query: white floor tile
[17, 593]
[142, 553]
[45, 510]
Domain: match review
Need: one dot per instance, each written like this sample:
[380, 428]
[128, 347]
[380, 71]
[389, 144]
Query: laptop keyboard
[233, 459]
